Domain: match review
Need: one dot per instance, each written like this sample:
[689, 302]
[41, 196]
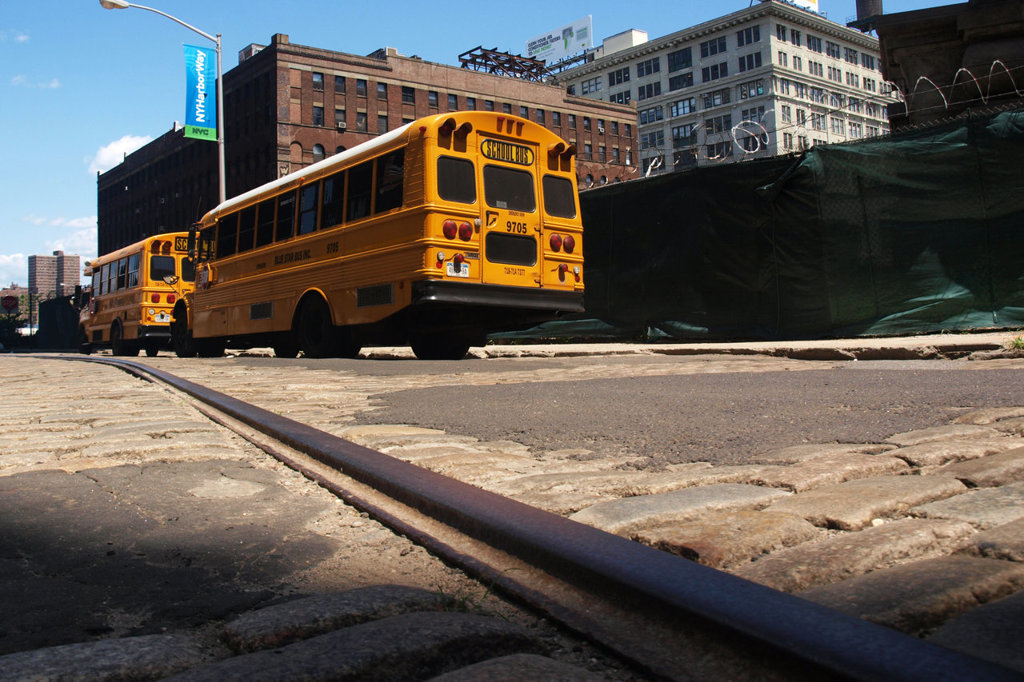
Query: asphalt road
[723, 418]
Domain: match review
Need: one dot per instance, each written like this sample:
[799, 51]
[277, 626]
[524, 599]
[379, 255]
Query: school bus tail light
[465, 231]
[556, 242]
[562, 269]
[449, 229]
[458, 259]
[569, 244]
[155, 298]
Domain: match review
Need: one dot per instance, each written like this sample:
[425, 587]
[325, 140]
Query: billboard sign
[200, 85]
[807, 4]
[563, 42]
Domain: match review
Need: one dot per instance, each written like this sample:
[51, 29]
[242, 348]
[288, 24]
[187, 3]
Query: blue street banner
[200, 100]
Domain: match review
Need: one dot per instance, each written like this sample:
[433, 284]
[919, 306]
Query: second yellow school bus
[134, 290]
[433, 235]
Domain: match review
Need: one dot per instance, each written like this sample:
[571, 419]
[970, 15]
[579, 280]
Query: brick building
[287, 106]
[55, 275]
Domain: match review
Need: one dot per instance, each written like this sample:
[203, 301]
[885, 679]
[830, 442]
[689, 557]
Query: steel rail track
[673, 617]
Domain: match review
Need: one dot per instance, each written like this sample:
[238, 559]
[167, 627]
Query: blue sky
[80, 85]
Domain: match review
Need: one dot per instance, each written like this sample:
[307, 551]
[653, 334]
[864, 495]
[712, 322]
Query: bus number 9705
[515, 228]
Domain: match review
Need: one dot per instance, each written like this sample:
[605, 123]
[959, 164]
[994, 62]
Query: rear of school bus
[504, 237]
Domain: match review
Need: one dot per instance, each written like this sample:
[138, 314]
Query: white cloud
[22, 81]
[13, 269]
[80, 242]
[85, 221]
[112, 154]
[16, 36]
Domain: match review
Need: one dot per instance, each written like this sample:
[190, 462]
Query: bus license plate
[463, 270]
[162, 317]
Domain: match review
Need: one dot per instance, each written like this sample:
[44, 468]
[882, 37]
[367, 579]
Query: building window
[615, 154]
[832, 49]
[318, 115]
[719, 124]
[683, 80]
[649, 90]
[339, 85]
[718, 150]
[748, 36]
[816, 69]
[591, 85]
[783, 59]
[754, 114]
[653, 139]
[852, 79]
[798, 63]
[360, 87]
[856, 130]
[586, 123]
[588, 151]
[382, 124]
[648, 67]
[715, 98]
[682, 107]
[780, 32]
[318, 81]
[787, 141]
[818, 121]
[751, 89]
[453, 102]
[683, 136]
[787, 113]
[620, 97]
[572, 121]
[814, 44]
[867, 61]
[838, 125]
[408, 95]
[361, 121]
[794, 36]
[618, 76]
[382, 90]
[556, 118]
[651, 115]
[471, 103]
[615, 127]
[318, 153]
[488, 105]
[432, 99]
[524, 112]
[680, 59]
[782, 86]
[801, 117]
[714, 72]
[850, 55]
[339, 118]
[835, 74]
[750, 61]
[570, 89]
[712, 47]
[506, 108]
[540, 116]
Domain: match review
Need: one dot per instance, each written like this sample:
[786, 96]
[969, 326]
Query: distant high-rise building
[55, 275]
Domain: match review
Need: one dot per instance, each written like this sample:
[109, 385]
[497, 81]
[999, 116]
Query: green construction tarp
[915, 233]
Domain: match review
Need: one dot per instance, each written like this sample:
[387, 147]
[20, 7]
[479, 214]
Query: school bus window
[133, 270]
[227, 235]
[307, 208]
[456, 180]
[160, 267]
[390, 176]
[122, 273]
[108, 277]
[188, 270]
[360, 188]
[509, 188]
[285, 215]
[511, 249]
[333, 200]
[559, 197]
[265, 223]
[207, 243]
[246, 228]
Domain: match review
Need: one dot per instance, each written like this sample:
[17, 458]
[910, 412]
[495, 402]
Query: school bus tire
[84, 347]
[285, 346]
[314, 328]
[119, 345]
[439, 346]
[181, 336]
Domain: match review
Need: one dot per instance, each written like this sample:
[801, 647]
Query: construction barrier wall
[918, 233]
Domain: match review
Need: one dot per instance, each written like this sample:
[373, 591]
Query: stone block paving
[917, 532]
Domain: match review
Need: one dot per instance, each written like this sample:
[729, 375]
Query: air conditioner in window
[341, 125]
[600, 129]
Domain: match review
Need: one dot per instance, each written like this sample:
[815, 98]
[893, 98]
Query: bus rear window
[456, 180]
[509, 188]
[559, 197]
[160, 267]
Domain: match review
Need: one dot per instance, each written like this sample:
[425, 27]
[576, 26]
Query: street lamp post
[123, 4]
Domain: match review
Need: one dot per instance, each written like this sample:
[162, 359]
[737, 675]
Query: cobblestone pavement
[920, 531]
[139, 540]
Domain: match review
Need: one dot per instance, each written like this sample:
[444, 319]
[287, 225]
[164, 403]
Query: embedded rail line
[671, 617]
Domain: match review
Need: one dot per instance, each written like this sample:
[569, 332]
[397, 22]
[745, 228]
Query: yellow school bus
[134, 291]
[432, 235]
